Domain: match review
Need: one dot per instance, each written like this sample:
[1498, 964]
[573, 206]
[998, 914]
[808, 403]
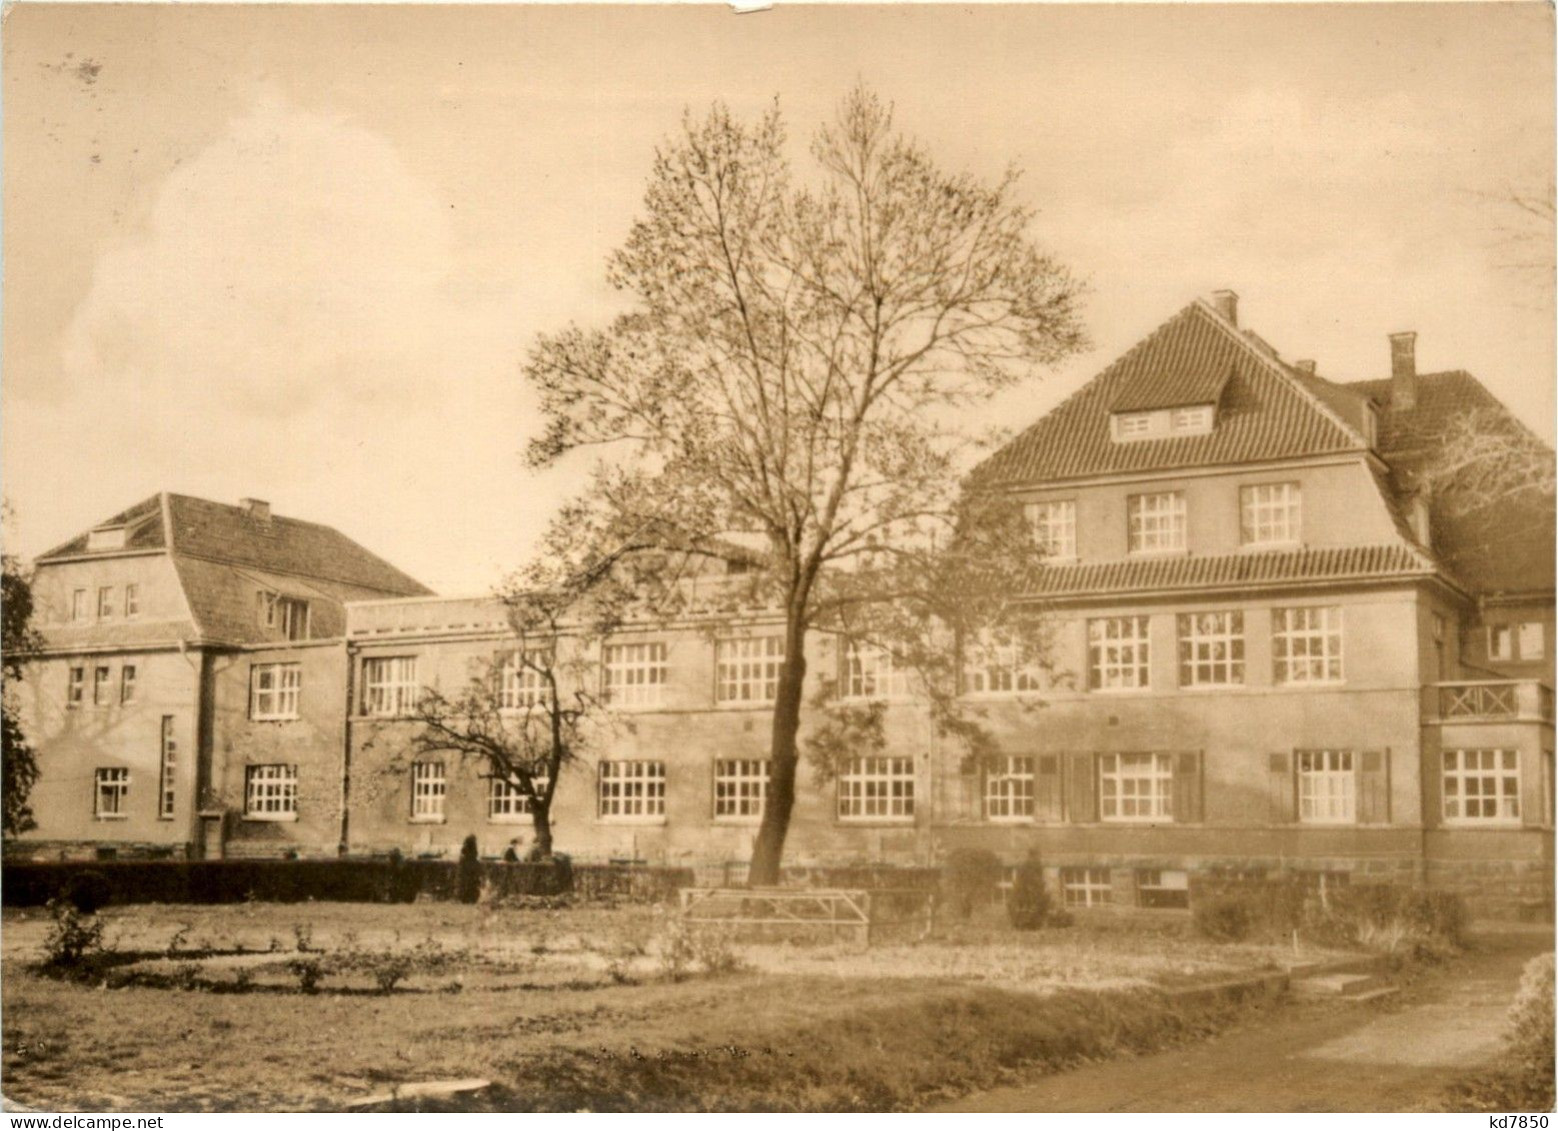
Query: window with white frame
[389, 685]
[1156, 523]
[1132, 425]
[1054, 527]
[1501, 642]
[1482, 785]
[1136, 787]
[1162, 889]
[508, 801]
[1009, 789]
[1191, 419]
[1118, 653]
[877, 788]
[873, 672]
[1270, 513]
[112, 792]
[429, 787]
[288, 615]
[746, 669]
[1531, 640]
[101, 685]
[78, 605]
[270, 792]
[635, 674]
[523, 679]
[75, 692]
[132, 601]
[995, 667]
[632, 791]
[740, 788]
[105, 602]
[1306, 645]
[127, 687]
[1085, 887]
[167, 771]
[1211, 649]
[274, 690]
[1327, 787]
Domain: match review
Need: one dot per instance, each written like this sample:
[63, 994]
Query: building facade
[1269, 652]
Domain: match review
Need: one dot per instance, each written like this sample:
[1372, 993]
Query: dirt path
[1322, 1057]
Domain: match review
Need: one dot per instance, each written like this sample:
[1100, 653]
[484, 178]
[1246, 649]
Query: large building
[1272, 650]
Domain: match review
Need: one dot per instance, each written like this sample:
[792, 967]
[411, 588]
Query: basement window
[1162, 890]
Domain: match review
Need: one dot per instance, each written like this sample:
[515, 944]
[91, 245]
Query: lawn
[572, 1007]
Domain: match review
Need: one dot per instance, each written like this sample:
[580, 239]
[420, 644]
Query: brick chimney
[1403, 370]
[1227, 304]
[257, 509]
[1305, 365]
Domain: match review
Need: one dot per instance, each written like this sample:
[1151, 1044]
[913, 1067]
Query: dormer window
[105, 538]
[1163, 423]
[288, 615]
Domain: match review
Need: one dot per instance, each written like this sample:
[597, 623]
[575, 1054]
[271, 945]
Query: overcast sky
[299, 253]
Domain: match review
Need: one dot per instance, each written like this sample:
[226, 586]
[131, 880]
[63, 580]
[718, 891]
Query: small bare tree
[1485, 458]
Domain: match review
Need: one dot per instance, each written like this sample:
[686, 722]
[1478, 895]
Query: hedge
[33, 883]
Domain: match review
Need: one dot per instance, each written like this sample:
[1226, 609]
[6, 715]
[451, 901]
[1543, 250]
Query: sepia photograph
[776, 557]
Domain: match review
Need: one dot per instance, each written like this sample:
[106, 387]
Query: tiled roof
[144, 530]
[1508, 547]
[1265, 411]
[1277, 567]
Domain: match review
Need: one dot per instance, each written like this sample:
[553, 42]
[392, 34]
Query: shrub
[1391, 919]
[1028, 905]
[303, 935]
[389, 969]
[186, 975]
[716, 951]
[87, 891]
[468, 877]
[1531, 1022]
[1226, 918]
[74, 945]
[968, 878]
[243, 979]
[309, 972]
[677, 951]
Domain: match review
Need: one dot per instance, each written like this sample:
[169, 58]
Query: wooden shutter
[1047, 799]
[1374, 787]
[959, 796]
[1082, 788]
[1280, 783]
[1187, 787]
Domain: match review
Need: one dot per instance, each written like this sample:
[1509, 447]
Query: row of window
[107, 603]
[1270, 514]
[105, 689]
[1478, 786]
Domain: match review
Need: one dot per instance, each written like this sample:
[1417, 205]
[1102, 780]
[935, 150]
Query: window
[993, 668]
[747, 669]
[1531, 641]
[872, 672]
[288, 615]
[1191, 420]
[1085, 887]
[106, 538]
[632, 791]
[428, 789]
[1009, 790]
[273, 691]
[1156, 522]
[1162, 890]
[75, 693]
[1136, 787]
[389, 685]
[166, 771]
[635, 674]
[1501, 642]
[507, 800]
[127, 683]
[1211, 649]
[270, 793]
[1327, 787]
[1269, 513]
[1054, 527]
[105, 602]
[524, 681]
[1132, 425]
[132, 601]
[1306, 645]
[1118, 654]
[78, 605]
[112, 789]
[100, 686]
[1482, 785]
[740, 787]
[877, 788]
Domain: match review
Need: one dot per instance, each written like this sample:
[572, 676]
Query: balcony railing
[1494, 701]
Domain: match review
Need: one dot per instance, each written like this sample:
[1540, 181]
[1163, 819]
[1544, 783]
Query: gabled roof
[1504, 548]
[1265, 411]
[220, 533]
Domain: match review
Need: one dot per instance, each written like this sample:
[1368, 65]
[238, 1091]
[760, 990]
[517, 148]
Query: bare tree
[1485, 458]
[788, 367]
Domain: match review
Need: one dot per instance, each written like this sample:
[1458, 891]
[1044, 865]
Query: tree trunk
[768, 850]
[541, 819]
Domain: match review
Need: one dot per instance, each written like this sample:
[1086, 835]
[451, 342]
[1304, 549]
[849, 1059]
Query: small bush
[243, 979]
[87, 891]
[1028, 905]
[303, 936]
[74, 945]
[968, 879]
[678, 951]
[389, 969]
[1226, 918]
[716, 952]
[468, 877]
[1531, 1024]
[186, 975]
[309, 972]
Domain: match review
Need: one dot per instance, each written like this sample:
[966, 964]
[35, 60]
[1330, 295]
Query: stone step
[1338, 985]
